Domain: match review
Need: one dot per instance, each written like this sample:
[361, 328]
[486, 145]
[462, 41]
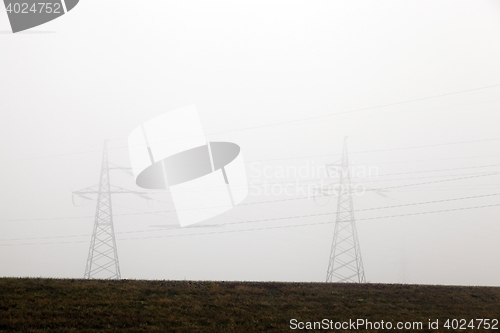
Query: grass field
[52, 305]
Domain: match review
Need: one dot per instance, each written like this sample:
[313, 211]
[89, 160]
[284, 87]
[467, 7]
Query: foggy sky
[286, 81]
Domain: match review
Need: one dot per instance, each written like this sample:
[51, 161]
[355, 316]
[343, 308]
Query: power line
[287, 158]
[390, 174]
[281, 218]
[362, 210]
[362, 109]
[318, 223]
[439, 170]
[425, 177]
[427, 146]
[299, 120]
[306, 156]
[478, 174]
[269, 228]
[391, 149]
[436, 159]
[259, 202]
[355, 110]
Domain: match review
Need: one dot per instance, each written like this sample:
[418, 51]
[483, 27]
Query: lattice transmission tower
[345, 264]
[102, 261]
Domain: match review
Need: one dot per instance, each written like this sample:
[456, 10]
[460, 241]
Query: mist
[413, 85]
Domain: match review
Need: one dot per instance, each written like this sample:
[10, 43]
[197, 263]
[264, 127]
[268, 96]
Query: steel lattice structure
[345, 264]
[103, 255]
[102, 262]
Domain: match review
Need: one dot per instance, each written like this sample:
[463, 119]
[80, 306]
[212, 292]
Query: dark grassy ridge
[49, 305]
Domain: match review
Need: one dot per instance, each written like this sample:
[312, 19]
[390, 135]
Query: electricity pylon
[102, 262]
[345, 263]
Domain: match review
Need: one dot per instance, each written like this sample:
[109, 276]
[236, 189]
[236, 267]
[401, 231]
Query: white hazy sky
[285, 80]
